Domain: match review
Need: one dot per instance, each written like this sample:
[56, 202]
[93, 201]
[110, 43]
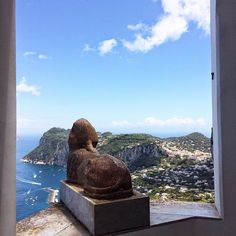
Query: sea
[32, 181]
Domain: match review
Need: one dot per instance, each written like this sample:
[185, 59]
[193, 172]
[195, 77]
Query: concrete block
[106, 216]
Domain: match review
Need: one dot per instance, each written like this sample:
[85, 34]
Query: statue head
[82, 135]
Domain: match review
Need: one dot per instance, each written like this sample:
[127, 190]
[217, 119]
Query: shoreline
[40, 163]
[53, 195]
[34, 162]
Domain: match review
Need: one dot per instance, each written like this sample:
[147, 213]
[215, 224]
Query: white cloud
[168, 28]
[122, 123]
[197, 11]
[24, 87]
[173, 24]
[88, 48]
[152, 121]
[28, 125]
[139, 26]
[23, 121]
[29, 53]
[156, 122]
[107, 46]
[43, 57]
[103, 48]
[35, 54]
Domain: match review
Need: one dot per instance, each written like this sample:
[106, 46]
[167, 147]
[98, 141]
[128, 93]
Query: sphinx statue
[101, 176]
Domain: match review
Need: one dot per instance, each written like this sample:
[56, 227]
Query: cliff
[137, 150]
[52, 148]
[179, 168]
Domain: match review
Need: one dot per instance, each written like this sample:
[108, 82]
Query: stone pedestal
[106, 216]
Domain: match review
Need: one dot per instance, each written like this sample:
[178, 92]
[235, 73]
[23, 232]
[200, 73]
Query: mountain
[192, 142]
[136, 150]
[176, 168]
[52, 148]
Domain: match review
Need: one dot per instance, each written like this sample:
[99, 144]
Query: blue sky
[127, 66]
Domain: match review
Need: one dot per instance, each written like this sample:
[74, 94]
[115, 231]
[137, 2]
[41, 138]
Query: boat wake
[27, 181]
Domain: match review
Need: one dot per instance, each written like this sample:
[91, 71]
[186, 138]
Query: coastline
[34, 162]
[53, 195]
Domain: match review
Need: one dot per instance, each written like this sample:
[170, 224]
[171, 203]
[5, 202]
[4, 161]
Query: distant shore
[53, 195]
[33, 162]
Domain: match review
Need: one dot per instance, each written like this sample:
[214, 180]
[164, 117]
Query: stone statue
[102, 176]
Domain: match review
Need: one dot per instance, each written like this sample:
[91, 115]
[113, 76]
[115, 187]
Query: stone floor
[57, 220]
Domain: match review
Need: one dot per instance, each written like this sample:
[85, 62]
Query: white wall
[7, 118]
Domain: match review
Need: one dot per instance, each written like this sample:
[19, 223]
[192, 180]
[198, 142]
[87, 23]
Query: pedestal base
[106, 216]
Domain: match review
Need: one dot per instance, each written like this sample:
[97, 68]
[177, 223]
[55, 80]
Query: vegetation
[192, 142]
[171, 181]
[116, 143]
[165, 169]
[52, 140]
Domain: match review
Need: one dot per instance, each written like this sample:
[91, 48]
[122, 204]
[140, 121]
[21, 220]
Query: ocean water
[32, 180]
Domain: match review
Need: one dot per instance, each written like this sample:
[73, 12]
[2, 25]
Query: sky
[126, 66]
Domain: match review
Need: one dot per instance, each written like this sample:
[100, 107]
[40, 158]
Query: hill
[176, 168]
[137, 150]
[52, 148]
[192, 142]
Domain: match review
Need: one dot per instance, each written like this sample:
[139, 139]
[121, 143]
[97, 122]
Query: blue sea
[32, 180]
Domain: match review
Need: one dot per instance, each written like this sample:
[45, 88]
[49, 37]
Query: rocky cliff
[137, 150]
[179, 168]
[142, 156]
[52, 148]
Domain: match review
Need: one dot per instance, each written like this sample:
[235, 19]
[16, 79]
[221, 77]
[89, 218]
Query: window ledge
[57, 220]
[165, 212]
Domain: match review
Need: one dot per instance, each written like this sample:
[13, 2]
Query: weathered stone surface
[58, 220]
[102, 176]
[106, 216]
[49, 222]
